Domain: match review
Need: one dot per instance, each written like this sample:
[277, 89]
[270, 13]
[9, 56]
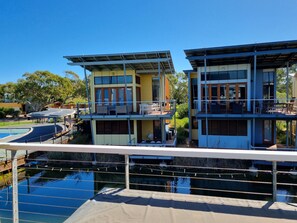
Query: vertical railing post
[15, 202]
[274, 180]
[127, 180]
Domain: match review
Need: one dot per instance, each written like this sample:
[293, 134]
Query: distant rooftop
[269, 55]
[142, 62]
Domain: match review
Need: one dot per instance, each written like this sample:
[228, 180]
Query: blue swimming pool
[12, 131]
[3, 135]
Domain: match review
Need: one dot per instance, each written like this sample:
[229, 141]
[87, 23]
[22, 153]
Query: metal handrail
[273, 156]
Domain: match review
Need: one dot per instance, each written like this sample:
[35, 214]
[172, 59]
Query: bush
[182, 111]
[182, 135]
[186, 126]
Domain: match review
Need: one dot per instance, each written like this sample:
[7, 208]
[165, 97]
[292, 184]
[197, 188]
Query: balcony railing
[244, 106]
[131, 175]
[143, 108]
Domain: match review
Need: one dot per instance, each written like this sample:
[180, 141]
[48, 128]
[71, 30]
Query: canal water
[52, 194]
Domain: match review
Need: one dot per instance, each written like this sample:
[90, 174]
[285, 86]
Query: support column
[55, 120]
[15, 202]
[295, 134]
[254, 104]
[90, 111]
[189, 106]
[127, 178]
[163, 131]
[159, 76]
[287, 82]
[127, 103]
[89, 103]
[205, 101]
[287, 133]
[274, 180]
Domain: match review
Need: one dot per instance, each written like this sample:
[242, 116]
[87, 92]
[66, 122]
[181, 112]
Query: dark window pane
[242, 128]
[129, 79]
[105, 80]
[194, 123]
[97, 80]
[232, 127]
[137, 80]
[114, 80]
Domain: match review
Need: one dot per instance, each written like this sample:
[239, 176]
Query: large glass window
[98, 96]
[225, 127]
[114, 127]
[194, 91]
[114, 96]
[225, 75]
[156, 89]
[106, 96]
[113, 80]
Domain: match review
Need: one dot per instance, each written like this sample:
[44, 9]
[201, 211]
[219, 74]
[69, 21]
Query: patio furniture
[215, 108]
[101, 110]
[121, 109]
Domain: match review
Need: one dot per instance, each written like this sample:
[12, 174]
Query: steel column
[274, 180]
[127, 104]
[287, 133]
[189, 106]
[254, 104]
[206, 101]
[287, 82]
[295, 134]
[127, 179]
[15, 202]
[90, 110]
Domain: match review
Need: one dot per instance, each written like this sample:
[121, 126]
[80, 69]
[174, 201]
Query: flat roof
[142, 62]
[269, 54]
[52, 113]
[126, 206]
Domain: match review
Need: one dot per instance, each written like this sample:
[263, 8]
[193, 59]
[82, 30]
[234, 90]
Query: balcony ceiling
[142, 62]
[269, 55]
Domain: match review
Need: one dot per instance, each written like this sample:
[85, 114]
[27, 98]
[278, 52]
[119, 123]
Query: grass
[14, 123]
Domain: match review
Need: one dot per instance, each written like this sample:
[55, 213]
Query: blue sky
[35, 35]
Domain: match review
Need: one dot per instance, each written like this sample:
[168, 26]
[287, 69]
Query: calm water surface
[52, 195]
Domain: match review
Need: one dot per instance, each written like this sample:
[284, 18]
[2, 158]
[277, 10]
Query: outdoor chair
[215, 108]
[101, 110]
[237, 108]
[121, 109]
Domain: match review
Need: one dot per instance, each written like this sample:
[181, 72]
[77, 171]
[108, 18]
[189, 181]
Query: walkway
[131, 206]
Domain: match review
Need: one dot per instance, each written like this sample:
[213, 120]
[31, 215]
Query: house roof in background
[269, 55]
[141, 62]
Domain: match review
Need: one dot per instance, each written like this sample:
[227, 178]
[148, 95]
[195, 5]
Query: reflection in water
[55, 193]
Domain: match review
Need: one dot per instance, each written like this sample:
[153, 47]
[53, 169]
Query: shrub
[186, 125]
[182, 111]
[182, 135]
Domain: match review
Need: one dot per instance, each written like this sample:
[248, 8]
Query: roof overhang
[142, 63]
[268, 55]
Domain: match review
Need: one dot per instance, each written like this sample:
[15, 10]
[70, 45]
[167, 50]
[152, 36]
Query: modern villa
[129, 98]
[232, 95]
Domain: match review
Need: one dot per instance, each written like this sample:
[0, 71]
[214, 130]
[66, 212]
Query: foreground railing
[147, 176]
[128, 108]
[244, 106]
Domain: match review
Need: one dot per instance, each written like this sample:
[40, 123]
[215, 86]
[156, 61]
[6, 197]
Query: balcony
[279, 109]
[137, 110]
[68, 187]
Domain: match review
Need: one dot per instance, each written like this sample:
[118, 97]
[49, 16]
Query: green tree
[42, 88]
[178, 87]
[7, 91]
[281, 82]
